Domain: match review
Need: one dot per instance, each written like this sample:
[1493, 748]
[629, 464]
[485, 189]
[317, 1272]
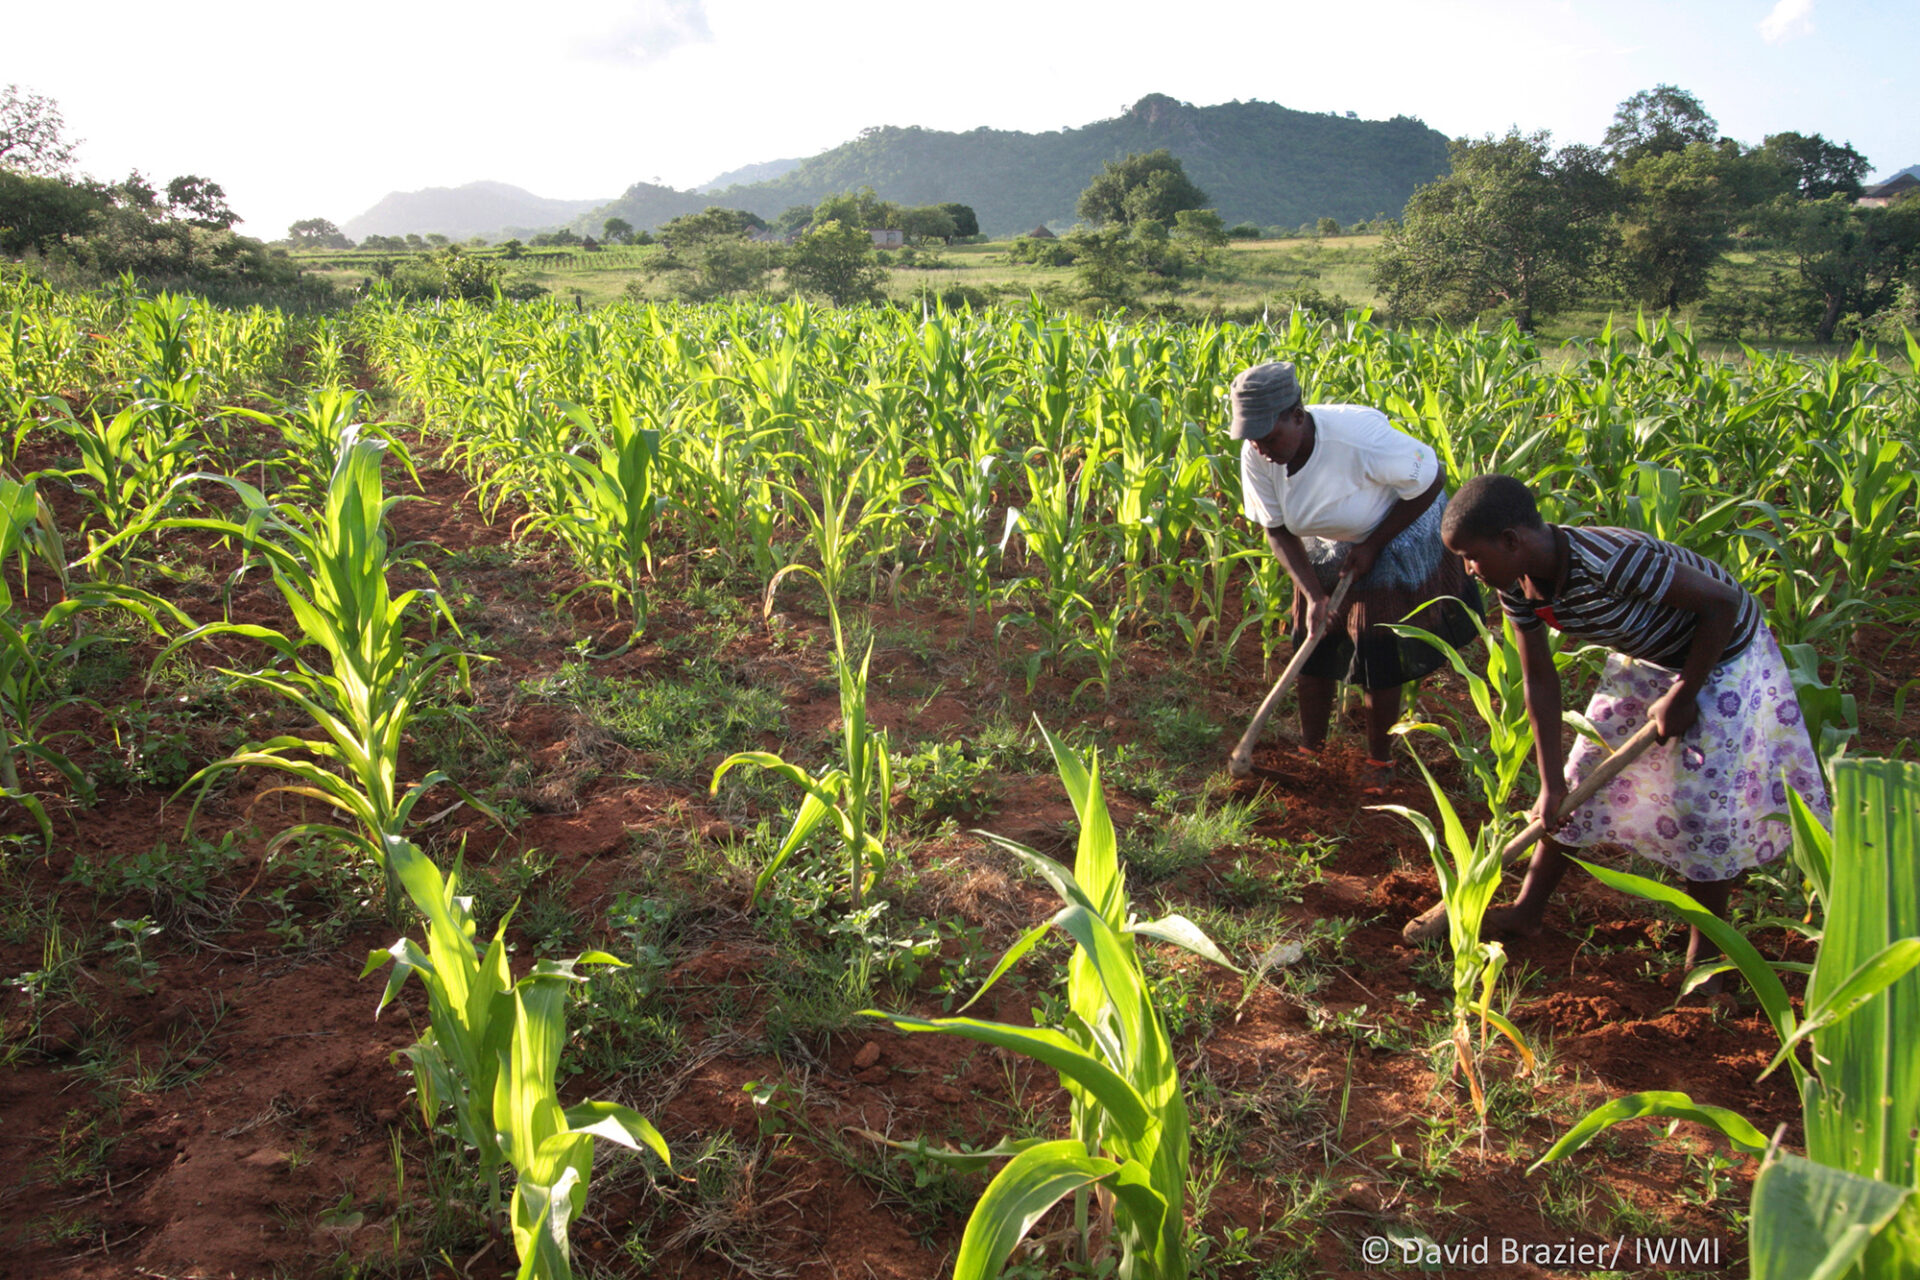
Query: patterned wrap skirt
[1410, 571]
[1712, 802]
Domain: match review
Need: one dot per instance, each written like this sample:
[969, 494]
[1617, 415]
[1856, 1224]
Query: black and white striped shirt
[1612, 595]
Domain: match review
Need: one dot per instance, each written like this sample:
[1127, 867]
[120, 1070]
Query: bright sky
[319, 110]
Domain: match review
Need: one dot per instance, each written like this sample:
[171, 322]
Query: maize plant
[1849, 1209]
[363, 683]
[1129, 1117]
[610, 506]
[855, 795]
[490, 1052]
[312, 434]
[135, 462]
[1469, 869]
[35, 650]
[1500, 700]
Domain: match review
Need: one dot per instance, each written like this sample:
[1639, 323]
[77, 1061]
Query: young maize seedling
[331, 568]
[1129, 1117]
[609, 506]
[490, 1053]
[1469, 870]
[855, 795]
[35, 652]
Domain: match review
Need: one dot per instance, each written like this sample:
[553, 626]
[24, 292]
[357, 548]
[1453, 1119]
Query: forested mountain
[1257, 161]
[477, 209]
[765, 171]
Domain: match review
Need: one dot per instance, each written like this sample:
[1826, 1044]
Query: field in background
[1028, 514]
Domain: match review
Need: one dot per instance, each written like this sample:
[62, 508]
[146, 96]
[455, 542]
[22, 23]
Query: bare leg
[1383, 711]
[1316, 694]
[1715, 896]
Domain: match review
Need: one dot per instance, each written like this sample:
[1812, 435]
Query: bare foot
[1375, 777]
[1501, 923]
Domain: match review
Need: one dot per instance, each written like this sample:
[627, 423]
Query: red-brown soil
[237, 1111]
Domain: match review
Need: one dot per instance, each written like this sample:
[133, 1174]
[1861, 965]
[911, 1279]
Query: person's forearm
[1292, 553]
[1710, 638]
[1541, 681]
[1717, 606]
[1404, 513]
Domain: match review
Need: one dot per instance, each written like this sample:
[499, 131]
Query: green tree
[200, 201]
[616, 231]
[32, 134]
[513, 250]
[1150, 185]
[1678, 221]
[39, 211]
[1851, 261]
[860, 209]
[927, 222]
[708, 255]
[1106, 265]
[965, 221]
[1513, 226]
[1815, 168]
[793, 220]
[317, 233]
[837, 260]
[1655, 121]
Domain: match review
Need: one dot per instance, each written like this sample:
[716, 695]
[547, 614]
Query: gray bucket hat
[1260, 395]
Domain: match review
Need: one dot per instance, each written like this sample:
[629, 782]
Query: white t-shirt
[1360, 467]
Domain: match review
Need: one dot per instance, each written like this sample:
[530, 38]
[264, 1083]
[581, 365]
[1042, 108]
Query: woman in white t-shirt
[1337, 488]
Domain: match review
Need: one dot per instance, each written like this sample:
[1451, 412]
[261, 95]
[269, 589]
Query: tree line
[1522, 229]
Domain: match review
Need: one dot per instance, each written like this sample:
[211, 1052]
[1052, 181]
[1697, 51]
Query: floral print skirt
[1713, 802]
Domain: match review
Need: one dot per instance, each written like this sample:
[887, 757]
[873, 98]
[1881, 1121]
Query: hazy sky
[320, 109]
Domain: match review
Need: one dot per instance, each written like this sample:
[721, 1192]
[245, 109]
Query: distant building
[886, 237]
[1879, 197]
[1041, 233]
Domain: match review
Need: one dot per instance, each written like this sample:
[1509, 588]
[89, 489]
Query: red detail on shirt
[1544, 612]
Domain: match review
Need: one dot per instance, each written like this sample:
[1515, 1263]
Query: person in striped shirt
[1692, 653]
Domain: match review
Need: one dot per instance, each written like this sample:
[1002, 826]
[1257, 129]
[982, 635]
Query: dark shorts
[1379, 659]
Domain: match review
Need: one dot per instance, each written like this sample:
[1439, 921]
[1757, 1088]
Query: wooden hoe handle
[1430, 922]
[1240, 763]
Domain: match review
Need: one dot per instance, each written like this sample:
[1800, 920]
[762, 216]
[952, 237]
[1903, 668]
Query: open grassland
[1001, 516]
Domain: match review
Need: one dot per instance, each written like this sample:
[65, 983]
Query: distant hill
[1257, 161]
[477, 209]
[765, 171]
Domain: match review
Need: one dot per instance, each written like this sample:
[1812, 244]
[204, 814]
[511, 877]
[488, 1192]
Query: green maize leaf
[1815, 1222]
[1862, 1112]
[1875, 974]
[964, 1161]
[1658, 1102]
[1753, 967]
[1032, 1183]
[1181, 932]
[619, 1124]
[1014, 954]
[1812, 846]
[1096, 865]
[542, 1215]
[1096, 1078]
[1118, 973]
[525, 1111]
[406, 957]
[1052, 872]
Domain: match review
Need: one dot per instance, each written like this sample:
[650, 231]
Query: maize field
[786, 744]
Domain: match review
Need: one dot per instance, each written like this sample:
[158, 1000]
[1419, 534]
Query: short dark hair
[1488, 506]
